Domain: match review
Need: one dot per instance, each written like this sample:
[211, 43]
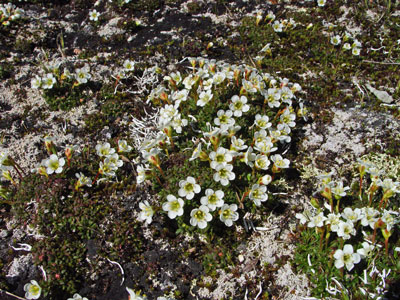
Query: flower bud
[265, 180]
[386, 233]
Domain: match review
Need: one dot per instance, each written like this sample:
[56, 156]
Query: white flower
[177, 123]
[262, 162]
[218, 78]
[123, 146]
[279, 162]
[321, 3]
[224, 174]
[265, 180]
[389, 187]
[366, 250]
[228, 214]
[94, 15]
[180, 96]
[188, 188]
[356, 44]
[356, 51]
[346, 46]
[220, 157]
[135, 295]
[369, 216]
[260, 136]
[288, 118]
[224, 119]
[174, 206]
[262, 121]
[77, 297]
[333, 220]
[346, 257]
[104, 149]
[167, 113]
[277, 26]
[82, 75]
[265, 146]
[388, 219]
[207, 84]
[248, 86]
[129, 65]
[335, 40]
[107, 168]
[237, 144]
[317, 221]
[272, 97]
[346, 229]
[339, 191]
[204, 98]
[200, 216]
[114, 159]
[270, 16]
[352, 215]
[196, 152]
[189, 81]
[54, 164]
[238, 105]
[213, 199]
[83, 180]
[258, 194]
[304, 217]
[32, 290]
[141, 174]
[249, 157]
[48, 81]
[286, 95]
[147, 212]
[36, 82]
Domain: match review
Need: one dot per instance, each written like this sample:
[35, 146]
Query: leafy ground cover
[199, 149]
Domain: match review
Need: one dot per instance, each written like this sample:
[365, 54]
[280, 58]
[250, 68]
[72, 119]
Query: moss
[6, 70]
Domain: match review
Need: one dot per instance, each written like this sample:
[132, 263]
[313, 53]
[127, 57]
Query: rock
[110, 29]
[21, 268]
[381, 95]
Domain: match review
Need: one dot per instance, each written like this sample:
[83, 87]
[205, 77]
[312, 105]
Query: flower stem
[95, 179]
[12, 295]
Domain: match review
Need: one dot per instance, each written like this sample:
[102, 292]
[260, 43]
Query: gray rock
[381, 95]
[21, 268]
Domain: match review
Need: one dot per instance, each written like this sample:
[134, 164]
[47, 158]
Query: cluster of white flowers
[8, 13]
[223, 141]
[53, 76]
[283, 25]
[349, 43]
[111, 160]
[347, 223]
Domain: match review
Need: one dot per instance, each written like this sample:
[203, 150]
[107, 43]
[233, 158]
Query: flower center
[223, 173]
[223, 119]
[227, 214]
[175, 205]
[238, 105]
[34, 290]
[347, 258]
[188, 187]
[199, 215]
[212, 199]
[220, 158]
[261, 163]
[54, 164]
